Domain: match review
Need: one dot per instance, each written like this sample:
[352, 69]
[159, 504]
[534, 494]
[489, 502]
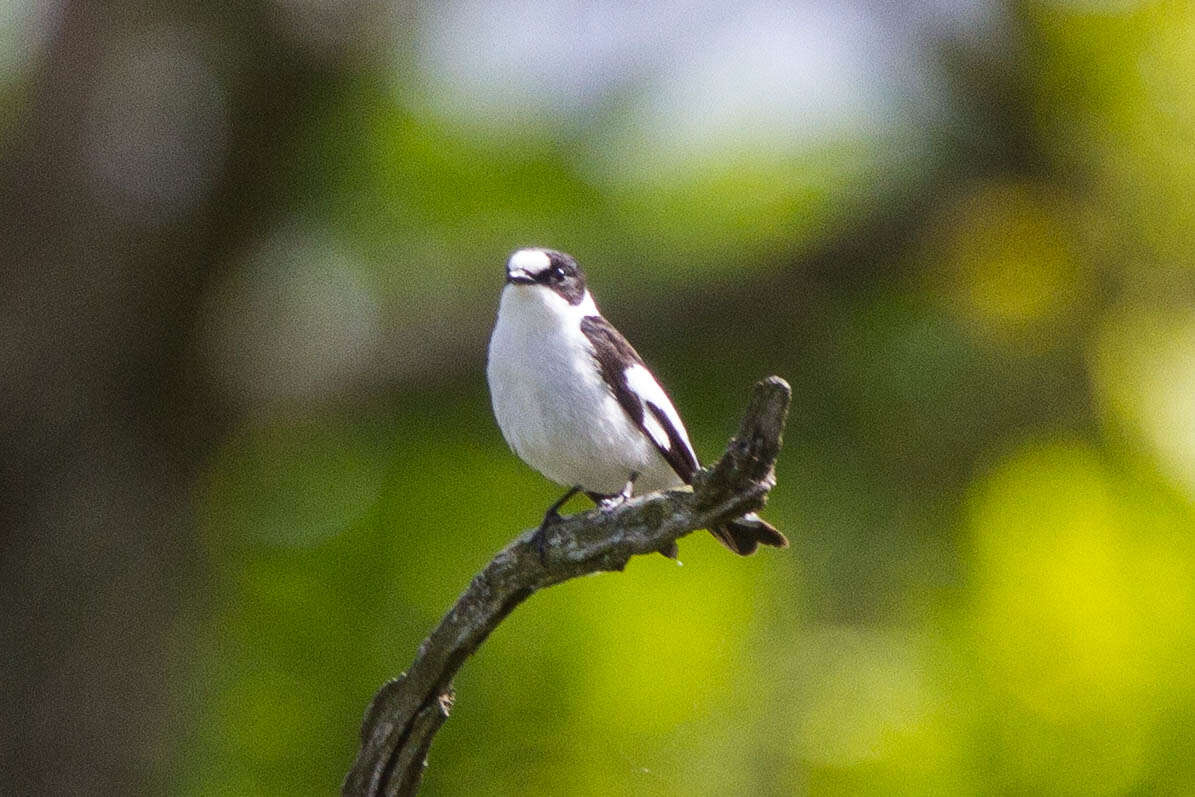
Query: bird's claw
[540, 538]
[618, 499]
[611, 503]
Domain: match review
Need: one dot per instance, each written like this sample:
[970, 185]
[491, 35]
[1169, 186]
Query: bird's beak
[518, 276]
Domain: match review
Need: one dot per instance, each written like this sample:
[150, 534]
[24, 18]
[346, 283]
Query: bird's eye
[558, 273]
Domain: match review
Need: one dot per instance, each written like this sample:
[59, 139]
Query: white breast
[551, 403]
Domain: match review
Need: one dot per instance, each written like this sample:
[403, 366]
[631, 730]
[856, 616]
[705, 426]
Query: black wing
[614, 355]
[678, 454]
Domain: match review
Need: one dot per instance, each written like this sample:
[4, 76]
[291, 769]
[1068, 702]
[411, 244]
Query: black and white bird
[576, 402]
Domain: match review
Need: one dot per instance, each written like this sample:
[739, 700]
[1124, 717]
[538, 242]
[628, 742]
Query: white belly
[553, 407]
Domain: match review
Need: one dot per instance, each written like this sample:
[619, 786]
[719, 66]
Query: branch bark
[407, 711]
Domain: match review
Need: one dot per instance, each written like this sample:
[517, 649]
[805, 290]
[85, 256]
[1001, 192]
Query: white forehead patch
[533, 261]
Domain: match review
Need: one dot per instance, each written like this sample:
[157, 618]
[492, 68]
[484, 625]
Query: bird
[577, 403]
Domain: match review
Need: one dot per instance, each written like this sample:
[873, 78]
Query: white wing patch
[657, 432]
[640, 380]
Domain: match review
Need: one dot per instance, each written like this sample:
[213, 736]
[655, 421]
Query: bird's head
[547, 270]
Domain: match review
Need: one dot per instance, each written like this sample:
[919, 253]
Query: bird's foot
[610, 502]
[540, 538]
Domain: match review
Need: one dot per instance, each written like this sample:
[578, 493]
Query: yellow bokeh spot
[1115, 106]
[680, 631]
[1006, 255]
[1082, 609]
[1144, 368]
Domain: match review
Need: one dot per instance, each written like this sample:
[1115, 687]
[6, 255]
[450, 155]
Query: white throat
[537, 306]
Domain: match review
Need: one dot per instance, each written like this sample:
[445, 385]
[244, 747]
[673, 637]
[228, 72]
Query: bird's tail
[744, 535]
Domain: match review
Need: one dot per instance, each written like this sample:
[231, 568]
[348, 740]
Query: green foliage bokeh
[987, 315]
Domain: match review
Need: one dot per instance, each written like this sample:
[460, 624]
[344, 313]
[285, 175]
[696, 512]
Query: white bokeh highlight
[294, 321]
[25, 29]
[157, 129]
[649, 88]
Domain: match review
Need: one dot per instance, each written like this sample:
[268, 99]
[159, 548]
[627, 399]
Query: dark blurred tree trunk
[104, 415]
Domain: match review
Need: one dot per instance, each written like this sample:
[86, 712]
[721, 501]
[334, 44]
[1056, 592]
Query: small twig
[406, 712]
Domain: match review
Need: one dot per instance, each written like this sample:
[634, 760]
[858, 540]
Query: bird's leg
[629, 487]
[550, 517]
[618, 499]
[553, 513]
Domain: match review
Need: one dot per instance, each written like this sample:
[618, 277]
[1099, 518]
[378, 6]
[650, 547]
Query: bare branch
[406, 712]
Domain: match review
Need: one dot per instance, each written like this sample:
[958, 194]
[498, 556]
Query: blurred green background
[251, 255]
